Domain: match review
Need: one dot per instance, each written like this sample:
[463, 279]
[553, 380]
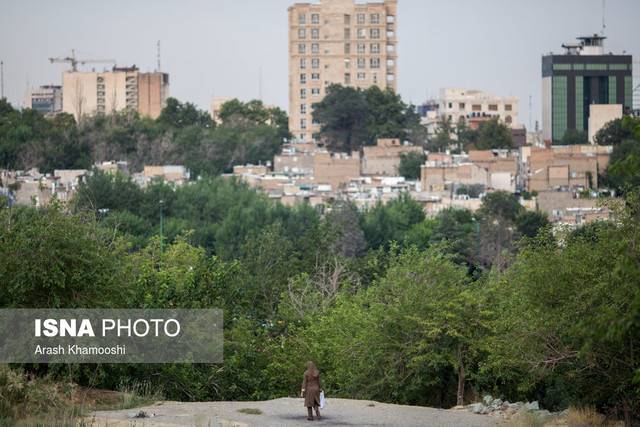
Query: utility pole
[158, 54]
[1, 79]
[161, 221]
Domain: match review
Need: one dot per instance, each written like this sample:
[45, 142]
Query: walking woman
[311, 387]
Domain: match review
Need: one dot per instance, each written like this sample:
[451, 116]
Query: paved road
[289, 412]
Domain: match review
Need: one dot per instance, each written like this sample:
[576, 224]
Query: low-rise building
[175, 174]
[384, 158]
[565, 167]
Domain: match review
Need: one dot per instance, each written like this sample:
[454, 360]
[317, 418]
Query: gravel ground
[289, 412]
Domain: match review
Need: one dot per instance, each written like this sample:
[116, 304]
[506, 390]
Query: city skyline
[205, 54]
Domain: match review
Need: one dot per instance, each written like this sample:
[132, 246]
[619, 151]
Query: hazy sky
[217, 47]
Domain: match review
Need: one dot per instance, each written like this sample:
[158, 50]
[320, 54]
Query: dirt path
[289, 412]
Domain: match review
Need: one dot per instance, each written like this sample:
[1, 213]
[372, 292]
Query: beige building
[475, 105]
[565, 167]
[337, 42]
[600, 115]
[216, 105]
[384, 157]
[89, 93]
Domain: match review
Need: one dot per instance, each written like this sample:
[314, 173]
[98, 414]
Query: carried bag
[322, 401]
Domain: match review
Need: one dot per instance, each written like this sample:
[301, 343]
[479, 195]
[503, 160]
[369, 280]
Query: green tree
[494, 135]
[443, 139]
[410, 165]
[623, 171]
[619, 130]
[574, 137]
[342, 114]
[50, 259]
[178, 115]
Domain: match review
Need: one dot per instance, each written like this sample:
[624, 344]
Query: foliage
[574, 137]
[567, 317]
[410, 165]
[182, 135]
[619, 130]
[623, 171]
[51, 260]
[494, 135]
[351, 117]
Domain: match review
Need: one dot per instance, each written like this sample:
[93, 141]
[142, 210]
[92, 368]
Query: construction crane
[75, 61]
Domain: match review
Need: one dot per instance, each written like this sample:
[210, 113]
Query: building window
[315, 33]
[493, 107]
[461, 106]
[303, 78]
[391, 48]
[347, 78]
[347, 63]
[303, 124]
[362, 76]
[315, 76]
[302, 33]
[375, 33]
[347, 48]
[315, 91]
[476, 107]
[596, 67]
[375, 63]
[347, 34]
[361, 48]
[375, 78]
[375, 18]
[303, 108]
[362, 33]
[315, 63]
[361, 63]
[347, 19]
[302, 18]
[360, 18]
[507, 107]
[315, 18]
[315, 121]
[315, 48]
[303, 63]
[302, 49]
[375, 48]
[303, 94]
[508, 120]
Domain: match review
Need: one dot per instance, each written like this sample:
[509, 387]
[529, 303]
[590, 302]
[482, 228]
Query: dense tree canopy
[250, 133]
[351, 117]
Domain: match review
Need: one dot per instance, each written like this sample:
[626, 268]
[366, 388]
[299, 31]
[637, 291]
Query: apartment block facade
[45, 99]
[337, 42]
[90, 93]
[470, 105]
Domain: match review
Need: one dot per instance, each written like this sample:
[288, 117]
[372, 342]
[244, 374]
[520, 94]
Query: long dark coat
[312, 385]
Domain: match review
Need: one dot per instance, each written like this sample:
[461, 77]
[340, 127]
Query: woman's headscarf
[311, 369]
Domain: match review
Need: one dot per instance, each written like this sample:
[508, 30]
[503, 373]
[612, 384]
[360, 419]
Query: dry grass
[250, 411]
[588, 417]
[27, 401]
[523, 419]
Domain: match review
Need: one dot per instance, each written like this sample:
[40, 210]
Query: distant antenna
[260, 84]
[529, 113]
[1, 80]
[603, 16]
[158, 54]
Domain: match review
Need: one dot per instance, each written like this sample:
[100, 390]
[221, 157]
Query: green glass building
[582, 76]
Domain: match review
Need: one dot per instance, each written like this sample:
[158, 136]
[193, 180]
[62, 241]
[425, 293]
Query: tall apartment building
[582, 76]
[337, 42]
[89, 93]
[45, 99]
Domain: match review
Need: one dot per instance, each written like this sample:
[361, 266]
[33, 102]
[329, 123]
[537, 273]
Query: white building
[472, 104]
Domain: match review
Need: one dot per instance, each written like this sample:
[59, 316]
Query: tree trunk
[461, 378]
